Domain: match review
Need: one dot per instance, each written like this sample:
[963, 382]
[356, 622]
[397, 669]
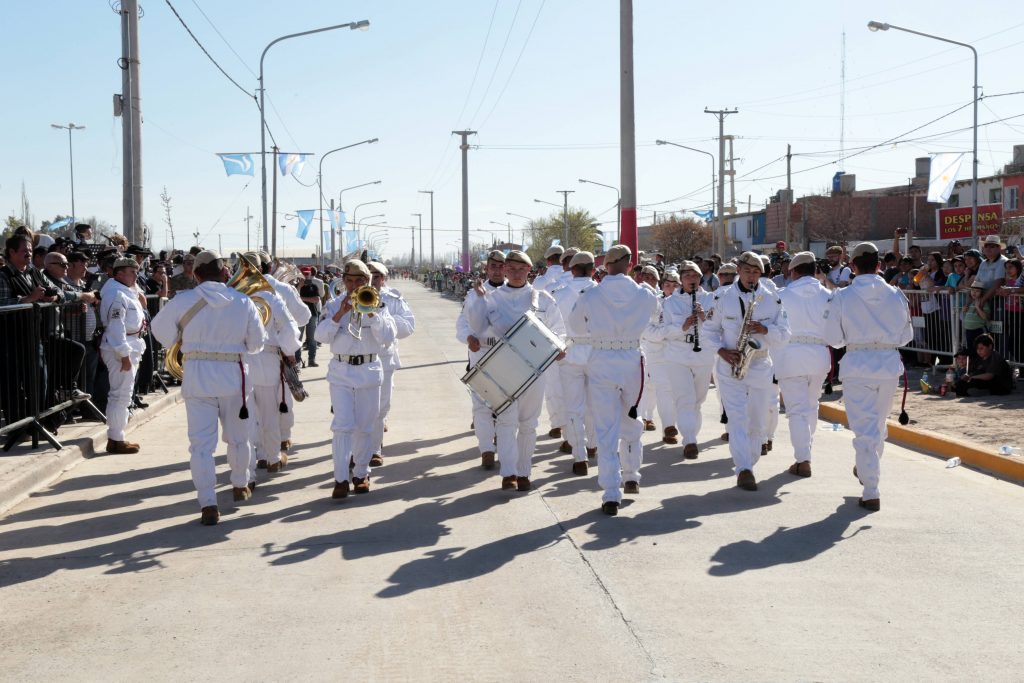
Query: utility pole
[464, 146]
[431, 193]
[273, 211]
[787, 204]
[419, 217]
[565, 216]
[121, 104]
[412, 261]
[627, 130]
[132, 123]
[248, 217]
[719, 240]
[195, 236]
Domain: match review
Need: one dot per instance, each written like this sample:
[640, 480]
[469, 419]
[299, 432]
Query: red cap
[780, 245]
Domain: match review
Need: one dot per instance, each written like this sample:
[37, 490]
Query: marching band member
[553, 257]
[479, 343]
[405, 325]
[554, 393]
[354, 375]
[121, 348]
[871, 319]
[545, 282]
[218, 327]
[613, 315]
[746, 399]
[659, 391]
[802, 364]
[579, 425]
[496, 312]
[689, 355]
[773, 401]
[726, 277]
[268, 387]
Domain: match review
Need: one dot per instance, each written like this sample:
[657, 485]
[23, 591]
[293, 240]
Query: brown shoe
[121, 447]
[669, 438]
[252, 487]
[649, 426]
[690, 451]
[286, 444]
[768, 445]
[487, 460]
[764, 449]
[522, 483]
[361, 484]
[631, 487]
[241, 494]
[279, 465]
[210, 515]
[610, 508]
[745, 480]
[508, 483]
[566, 447]
[340, 489]
[725, 436]
[592, 453]
[801, 469]
[671, 431]
[376, 460]
[555, 433]
[871, 504]
[261, 464]
[580, 468]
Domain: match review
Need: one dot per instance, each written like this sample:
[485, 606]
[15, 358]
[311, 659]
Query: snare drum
[512, 365]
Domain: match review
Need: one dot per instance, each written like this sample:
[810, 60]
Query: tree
[583, 233]
[681, 238]
[165, 200]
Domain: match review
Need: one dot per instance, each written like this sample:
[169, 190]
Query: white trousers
[747, 407]
[579, 423]
[287, 420]
[690, 385]
[868, 402]
[612, 389]
[122, 385]
[773, 414]
[801, 395]
[483, 424]
[377, 440]
[204, 415]
[267, 433]
[516, 429]
[554, 397]
[658, 394]
[355, 412]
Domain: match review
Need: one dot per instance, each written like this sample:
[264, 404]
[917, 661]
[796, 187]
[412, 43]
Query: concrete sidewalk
[438, 575]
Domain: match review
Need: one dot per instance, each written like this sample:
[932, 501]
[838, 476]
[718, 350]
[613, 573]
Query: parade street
[436, 574]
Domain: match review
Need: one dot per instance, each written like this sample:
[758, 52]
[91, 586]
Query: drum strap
[534, 300]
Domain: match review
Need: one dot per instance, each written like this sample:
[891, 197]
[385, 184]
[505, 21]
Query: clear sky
[409, 80]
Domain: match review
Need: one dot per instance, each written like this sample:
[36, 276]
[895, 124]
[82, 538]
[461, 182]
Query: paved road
[437, 574]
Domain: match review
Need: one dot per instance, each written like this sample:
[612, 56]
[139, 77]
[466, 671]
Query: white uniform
[123, 318]
[657, 392]
[483, 418]
[405, 325]
[686, 371]
[269, 390]
[746, 401]
[301, 313]
[579, 422]
[496, 312]
[614, 315]
[802, 364]
[871, 319]
[355, 375]
[552, 279]
[215, 387]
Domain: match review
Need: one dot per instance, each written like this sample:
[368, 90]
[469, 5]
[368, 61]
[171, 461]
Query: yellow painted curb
[932, 444]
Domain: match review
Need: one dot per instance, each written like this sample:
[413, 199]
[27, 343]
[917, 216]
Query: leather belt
[213, 355]
[615, 344]
[357, 360]
[808, 340]
[873, 346]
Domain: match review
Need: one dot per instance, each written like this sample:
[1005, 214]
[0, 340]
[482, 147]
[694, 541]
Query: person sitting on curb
[992, 372]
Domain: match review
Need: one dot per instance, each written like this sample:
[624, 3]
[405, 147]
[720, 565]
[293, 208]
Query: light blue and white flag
[291, 163]
[352, 241]
[706, 215]
[62, 223]
[337, 219]
[305, 218]
[942, 177]
[606, 241]
[555, 243]
[238, 164]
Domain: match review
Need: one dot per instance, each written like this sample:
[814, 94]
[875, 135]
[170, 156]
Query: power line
[514, 65]
[214, 26]
[497, 63]
[207, 53]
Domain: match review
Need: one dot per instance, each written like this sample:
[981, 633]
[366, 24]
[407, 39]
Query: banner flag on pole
[706, 215]
[291, 163]
[62, 223]
[352, 241]
[326, 246]
[337, 219]
[942, 177]
[238, 164]
[305, 218]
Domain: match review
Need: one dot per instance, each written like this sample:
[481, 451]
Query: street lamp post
[719, 219]
[881, 26]
[564, 220]
[522, 233]
[362, 225]
[320, 188]
[618, 202]
[71, 158]
[431, 193]
[506, 225]
[420, 217]
[355, 212]
[362, 25]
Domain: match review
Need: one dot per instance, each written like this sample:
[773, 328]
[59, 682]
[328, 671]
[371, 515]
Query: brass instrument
[248, 280]
[287, 273]
[365, 301]
[746, 345]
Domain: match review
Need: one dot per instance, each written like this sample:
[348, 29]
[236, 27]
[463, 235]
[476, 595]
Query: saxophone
[746, 345]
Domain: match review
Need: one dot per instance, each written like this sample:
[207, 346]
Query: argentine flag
[238, 164]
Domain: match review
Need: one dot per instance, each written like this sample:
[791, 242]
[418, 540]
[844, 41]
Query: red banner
[955, 224]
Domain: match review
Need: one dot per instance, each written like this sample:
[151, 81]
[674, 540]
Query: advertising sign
[955, 224]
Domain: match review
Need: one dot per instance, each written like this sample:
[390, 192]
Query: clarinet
[696, 322]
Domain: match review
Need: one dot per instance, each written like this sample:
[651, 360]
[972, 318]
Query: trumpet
[365, 301]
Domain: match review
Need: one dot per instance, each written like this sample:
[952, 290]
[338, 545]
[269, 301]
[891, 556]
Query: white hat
[378, 268]
[356, 267]
[993, 239]
[516, 256]
[582, 258]
[616, 253]
[749, 258]
[672, 276]
[691, 266]
[802, 258]
[862, 249]
[554, 250]
[652, 271]
[206, 256]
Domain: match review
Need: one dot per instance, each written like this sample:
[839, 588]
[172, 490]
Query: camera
[51, 291]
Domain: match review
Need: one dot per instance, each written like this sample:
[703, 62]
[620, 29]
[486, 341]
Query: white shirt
[552, 275]
[463, 331]
[578, 352]
[651, 339]
[808, 306]
[617, 309]
[870, 312]
[290, 296]
[123, 317]
[228, 323]
[376, 333]
[405, 325]
[283, 332]
[723, 326]
[839, 274]
[679, 342]
[497, 311]
[990, 271]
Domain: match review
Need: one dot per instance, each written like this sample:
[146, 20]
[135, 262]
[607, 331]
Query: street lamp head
[363, 25]
[538, 201]
[877, 26]
[660, 142]
[372, 140]
[54, 125]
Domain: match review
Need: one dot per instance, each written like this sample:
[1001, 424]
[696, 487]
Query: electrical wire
[207, 53]
[214, 26]
[497, 63]
[515, 64]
